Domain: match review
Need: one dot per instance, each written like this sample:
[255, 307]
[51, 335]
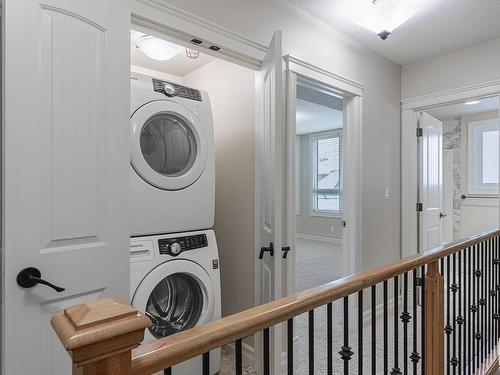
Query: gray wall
[233, 111]
[307, 224]
[465, 67]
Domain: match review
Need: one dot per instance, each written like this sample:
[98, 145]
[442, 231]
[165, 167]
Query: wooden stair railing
[453, 330]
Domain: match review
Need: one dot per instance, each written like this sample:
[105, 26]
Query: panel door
[431, 182]
[65, 168]
[270, 187]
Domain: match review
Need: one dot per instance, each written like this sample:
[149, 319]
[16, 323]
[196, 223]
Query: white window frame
[475, 188]
[312, 162]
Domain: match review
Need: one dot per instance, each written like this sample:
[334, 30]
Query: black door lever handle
[31, 276]
[285, 250]
[264, 249]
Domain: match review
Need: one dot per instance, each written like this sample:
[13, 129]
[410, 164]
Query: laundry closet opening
[192, 187]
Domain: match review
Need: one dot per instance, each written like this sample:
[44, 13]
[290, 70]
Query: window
[326, 152]
[483, 155]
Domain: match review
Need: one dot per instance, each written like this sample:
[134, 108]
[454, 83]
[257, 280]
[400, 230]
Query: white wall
[477, 64]
[309, 39]
[232, 91]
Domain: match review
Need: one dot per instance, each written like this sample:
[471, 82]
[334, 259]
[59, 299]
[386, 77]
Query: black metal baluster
[454, 290]
[448, 329]
[405, 318]
[482, 302]
[311, 342]
[238, 357]
[478, 311]
[441, 267]
[329, 339]
[374, 330]
[460, 318]
[422, 317]
[267, 363]
[497, 289]
[386, 342]
[396, 370]
[470, 291]
[360, 332]
[415, 357]
[206, 363]
[473, 307]
[167, 371]
[346, 352]
[289, 344]
[489, 291]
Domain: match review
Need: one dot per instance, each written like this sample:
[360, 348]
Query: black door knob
[31, 276]
[264, 249]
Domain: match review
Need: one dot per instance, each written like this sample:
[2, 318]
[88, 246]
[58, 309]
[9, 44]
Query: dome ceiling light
[156, 48]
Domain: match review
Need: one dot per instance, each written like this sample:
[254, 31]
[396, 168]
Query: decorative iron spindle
[167, 371]
[386, 339]
[238, 357]
[360, 332]
[289, 341]
[267, 363]
[396, 370]
[374, 330]
[460, 319]
[422, 317]
[206, 363]
[415, 356]
[448, 329]
[470, 314]
[454, 290]
[311, 342]
[329, 339]
[405, 318]
[346, 353]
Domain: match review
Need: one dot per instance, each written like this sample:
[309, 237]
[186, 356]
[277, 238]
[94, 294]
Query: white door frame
[352, 161]
[409, 123]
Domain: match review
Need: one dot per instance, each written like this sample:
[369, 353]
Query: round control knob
[175, 248]
[168, 89]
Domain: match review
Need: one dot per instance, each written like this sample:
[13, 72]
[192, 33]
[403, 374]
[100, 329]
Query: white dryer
[175, 281]
[172, 157]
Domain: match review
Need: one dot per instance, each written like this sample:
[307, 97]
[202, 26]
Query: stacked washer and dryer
[175, 276]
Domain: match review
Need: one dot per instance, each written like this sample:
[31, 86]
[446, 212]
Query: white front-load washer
[175, 281]
[172, 157]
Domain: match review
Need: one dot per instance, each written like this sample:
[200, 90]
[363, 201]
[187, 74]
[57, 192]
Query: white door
[430, 182]
[65, 168]
[270, 187]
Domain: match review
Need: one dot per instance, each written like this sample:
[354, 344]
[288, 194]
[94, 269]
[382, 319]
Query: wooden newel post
[100, 335]
[434, 320]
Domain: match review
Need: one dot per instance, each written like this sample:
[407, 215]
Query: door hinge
[420, 132]
[344, 224]
[420, 207]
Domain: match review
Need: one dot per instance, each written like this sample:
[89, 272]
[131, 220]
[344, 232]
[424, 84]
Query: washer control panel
[175, 246]
[173, 89]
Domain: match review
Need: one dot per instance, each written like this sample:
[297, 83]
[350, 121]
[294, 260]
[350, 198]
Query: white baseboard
[333, 240]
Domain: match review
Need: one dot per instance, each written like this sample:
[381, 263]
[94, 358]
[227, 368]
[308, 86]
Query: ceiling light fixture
[472, 102]
[383, 16]
[156, 48]
[192, 53]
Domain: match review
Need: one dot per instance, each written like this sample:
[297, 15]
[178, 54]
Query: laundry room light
[472, 102]
[156, 48]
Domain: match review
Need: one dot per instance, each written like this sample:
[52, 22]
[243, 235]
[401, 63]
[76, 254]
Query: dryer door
[168, 145]
[176, 295]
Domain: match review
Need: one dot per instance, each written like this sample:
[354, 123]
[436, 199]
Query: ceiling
[456, 110]
[442, 26]
[314, 118]
[179, 65]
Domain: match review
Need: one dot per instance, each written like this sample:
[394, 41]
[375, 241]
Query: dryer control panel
[173, 89]
[175, 246]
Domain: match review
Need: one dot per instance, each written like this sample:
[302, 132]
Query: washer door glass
[168, 144]
[175, 304]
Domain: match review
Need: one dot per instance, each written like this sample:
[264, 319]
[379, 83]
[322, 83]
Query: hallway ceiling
[442, 26]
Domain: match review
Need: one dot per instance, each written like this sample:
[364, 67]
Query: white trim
[409, 194]
[316, 73]
[453, 95]
[312, 237]
[181, 27]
